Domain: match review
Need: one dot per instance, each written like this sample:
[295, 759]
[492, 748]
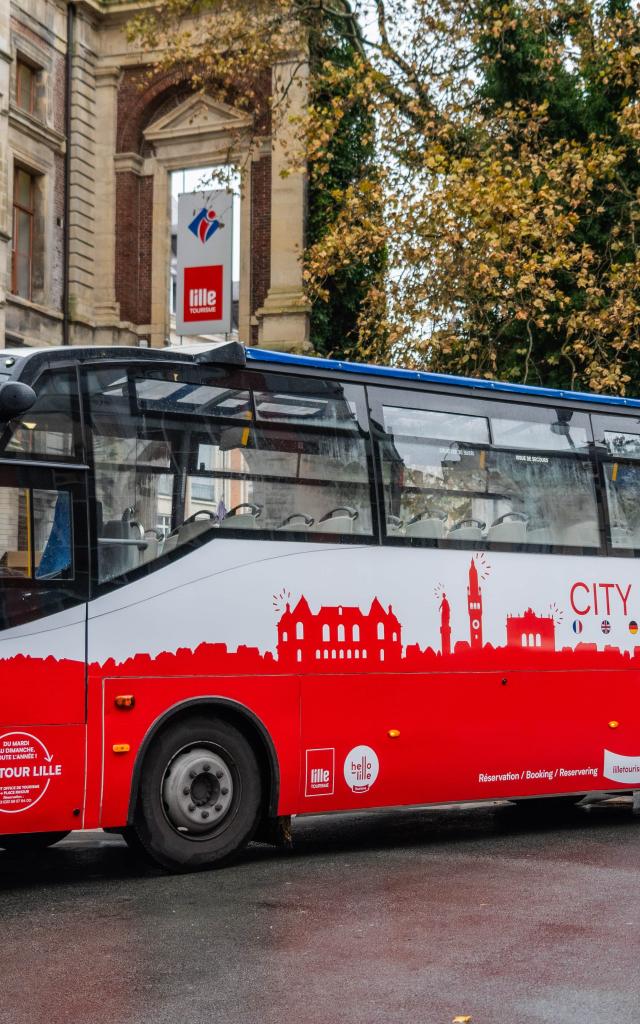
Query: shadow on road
[94, 856]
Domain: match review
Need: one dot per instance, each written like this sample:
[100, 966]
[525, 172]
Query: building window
[163, 526]
[355, 633]
[340, 632]
[22, 249]
[326, 636]
[299, 631]
[26, 81]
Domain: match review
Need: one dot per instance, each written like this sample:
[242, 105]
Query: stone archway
[199, 132]
[149, 129]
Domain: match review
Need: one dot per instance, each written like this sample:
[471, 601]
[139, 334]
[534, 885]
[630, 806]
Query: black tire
[31, 843]
[201, 845]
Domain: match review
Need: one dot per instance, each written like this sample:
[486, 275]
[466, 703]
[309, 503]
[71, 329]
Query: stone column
[160, 257]
[84, 242]
[106, 307]
[5, 198]
[244, 299]
[284, 318]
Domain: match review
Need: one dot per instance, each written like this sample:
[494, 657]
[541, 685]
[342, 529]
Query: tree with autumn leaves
[474, 173]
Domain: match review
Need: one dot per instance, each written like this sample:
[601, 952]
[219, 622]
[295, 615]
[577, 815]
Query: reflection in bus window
[622, 486]
[622, 444]
[50, 427]
[460, 488]
[553, 432]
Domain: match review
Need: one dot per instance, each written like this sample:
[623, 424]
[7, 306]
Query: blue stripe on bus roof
[287, 359]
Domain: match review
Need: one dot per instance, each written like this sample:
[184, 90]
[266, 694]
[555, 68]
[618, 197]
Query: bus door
[43, 593]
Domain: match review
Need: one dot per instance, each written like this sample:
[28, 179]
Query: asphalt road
[385, 918]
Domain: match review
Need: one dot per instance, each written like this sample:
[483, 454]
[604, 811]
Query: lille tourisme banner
[204, 268]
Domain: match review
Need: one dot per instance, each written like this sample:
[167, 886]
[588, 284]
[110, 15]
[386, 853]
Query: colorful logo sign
[633, 627]
[203, 293]
[320, 771]
[577, 627]
[204, 225]
[361, 769]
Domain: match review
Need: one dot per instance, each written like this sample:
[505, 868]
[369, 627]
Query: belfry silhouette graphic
[474, 604]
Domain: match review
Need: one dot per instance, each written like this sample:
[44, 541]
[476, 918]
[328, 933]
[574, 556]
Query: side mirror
[15, 398]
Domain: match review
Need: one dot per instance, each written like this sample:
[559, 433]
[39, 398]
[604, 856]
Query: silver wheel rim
[197, 790]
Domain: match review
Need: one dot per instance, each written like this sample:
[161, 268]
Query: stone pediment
[197, 119]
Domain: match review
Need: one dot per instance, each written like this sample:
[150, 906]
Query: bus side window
[621, 471]
[516, 476]
[180, 452]
[51, 428]
[35, 534]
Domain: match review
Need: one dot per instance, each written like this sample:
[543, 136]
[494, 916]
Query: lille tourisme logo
[320, 772]
[205, 224]
[203, 293]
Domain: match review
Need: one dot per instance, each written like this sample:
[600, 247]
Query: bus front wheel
[200, 796]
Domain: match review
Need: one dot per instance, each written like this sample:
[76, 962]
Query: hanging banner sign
[204, 263]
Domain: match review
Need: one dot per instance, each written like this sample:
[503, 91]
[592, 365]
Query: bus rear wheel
[200, 796]
[31, 843]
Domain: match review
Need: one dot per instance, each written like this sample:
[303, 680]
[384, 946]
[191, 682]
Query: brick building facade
[88, 141]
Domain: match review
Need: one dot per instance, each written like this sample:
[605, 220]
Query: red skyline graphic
[345, 639]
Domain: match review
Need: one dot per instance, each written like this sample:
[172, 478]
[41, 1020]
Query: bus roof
[424, 377]
[232, 353]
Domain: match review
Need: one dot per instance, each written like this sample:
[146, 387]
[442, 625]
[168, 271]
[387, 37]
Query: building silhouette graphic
[343, 639]
[338, 634]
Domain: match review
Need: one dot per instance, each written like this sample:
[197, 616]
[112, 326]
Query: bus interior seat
[170, 543]
[118, 559]
[467, 529]
[539, 535]
[583, 534]
[510, 528]
[429, 525]
[153, 547]
[338, 520]
[242, 517]
[395, 526]
[297, 521]
[192, 529]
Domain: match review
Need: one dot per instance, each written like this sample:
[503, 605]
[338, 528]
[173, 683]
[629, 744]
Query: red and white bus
[240, 585]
